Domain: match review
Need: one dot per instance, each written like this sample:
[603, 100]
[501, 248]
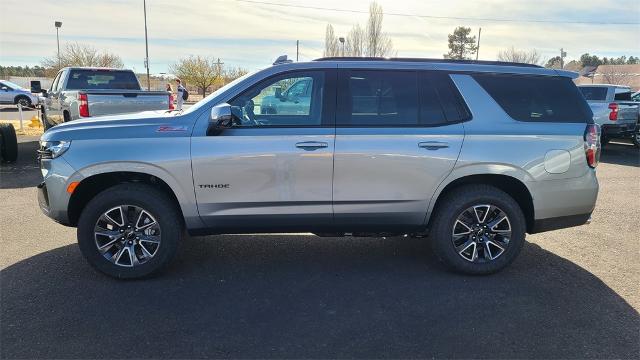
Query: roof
[604, 85]
[428, 60]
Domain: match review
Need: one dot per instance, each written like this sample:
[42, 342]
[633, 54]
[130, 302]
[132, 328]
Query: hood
[135, 125]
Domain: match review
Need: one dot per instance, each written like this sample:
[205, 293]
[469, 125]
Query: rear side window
[594, 93]
[378, 98]
[623, 96]
[393, 98]
[102, 79]
[537, 98]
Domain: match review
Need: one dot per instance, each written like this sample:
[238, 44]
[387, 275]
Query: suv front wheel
[130, 231]
[478, 229]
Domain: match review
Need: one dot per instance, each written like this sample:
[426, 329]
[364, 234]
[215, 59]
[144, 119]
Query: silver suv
[470, 155]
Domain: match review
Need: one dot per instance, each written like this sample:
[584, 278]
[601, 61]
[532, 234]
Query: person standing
[179, 94]
[171, 96]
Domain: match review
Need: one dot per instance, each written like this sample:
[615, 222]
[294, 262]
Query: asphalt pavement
[572, 293]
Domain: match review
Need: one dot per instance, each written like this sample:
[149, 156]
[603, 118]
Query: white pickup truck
[81, 92]
[614, 110]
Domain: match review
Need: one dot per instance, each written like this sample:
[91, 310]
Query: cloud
[252, 35]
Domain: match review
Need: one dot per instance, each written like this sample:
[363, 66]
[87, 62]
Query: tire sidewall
[449, 212]
[146, 197]
[26, 99]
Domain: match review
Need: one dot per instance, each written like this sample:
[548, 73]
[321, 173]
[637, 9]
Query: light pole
[341, 39]
[58, 25]
[146, 44]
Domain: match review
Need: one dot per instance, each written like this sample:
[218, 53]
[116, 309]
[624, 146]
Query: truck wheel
[636, 139]
[23, 100]
[9, 145]
[477, 229]
[130, 231]
[45, 123]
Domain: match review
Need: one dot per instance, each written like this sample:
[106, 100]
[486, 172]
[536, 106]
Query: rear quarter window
[537, 98]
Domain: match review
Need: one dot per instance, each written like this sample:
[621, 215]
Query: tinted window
[449, 99]
[378, 98]
[294, 99]
[594, 93]
[537, 98]
[102, 79]
[623, 96]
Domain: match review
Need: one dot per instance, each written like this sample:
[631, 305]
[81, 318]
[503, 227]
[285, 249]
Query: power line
[439, 17]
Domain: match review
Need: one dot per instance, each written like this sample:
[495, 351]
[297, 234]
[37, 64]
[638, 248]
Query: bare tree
[461, 45]
[331, 47]
[614, 74]
[77, 54]
[200, 71]
[377, 42]
[520, 56]
[355, 41]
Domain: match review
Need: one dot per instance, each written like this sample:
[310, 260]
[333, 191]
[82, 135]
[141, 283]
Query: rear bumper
[619, 130]
[561, 222]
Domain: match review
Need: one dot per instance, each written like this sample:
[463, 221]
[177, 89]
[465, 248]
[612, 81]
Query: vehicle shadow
[620, 153]
[23, 173]
[305, 297]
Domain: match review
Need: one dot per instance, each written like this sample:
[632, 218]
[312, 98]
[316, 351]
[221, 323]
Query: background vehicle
[78, 92]
[613, 109]
[8, 143]
[11, 93]
[474, 154]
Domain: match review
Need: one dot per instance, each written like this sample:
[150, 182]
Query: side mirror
[278, 94]
[36, 86]
[221, 117]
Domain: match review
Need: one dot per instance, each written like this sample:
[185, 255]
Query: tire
[164, 216]
[45, 123]
[636, 139]
[23, 100]
[66, 117]
[445, 225]
[9, 145]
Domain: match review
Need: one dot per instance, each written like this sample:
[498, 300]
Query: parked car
[82, 92]
[471, 154]
[614, 110]
[11, 93]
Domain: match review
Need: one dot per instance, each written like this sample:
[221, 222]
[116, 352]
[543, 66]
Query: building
[628, 75]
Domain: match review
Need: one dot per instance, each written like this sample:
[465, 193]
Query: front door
[273, 169]
[398, 136]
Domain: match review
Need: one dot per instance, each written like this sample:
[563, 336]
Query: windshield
[206, 100]
[593, 92]
[12, 85]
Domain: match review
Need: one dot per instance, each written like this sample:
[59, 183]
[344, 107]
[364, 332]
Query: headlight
[53, 149]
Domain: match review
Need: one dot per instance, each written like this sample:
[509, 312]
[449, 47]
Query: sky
[251, 34]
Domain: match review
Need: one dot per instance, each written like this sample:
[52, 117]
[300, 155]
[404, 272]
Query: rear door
[273, 169]
[398, 136]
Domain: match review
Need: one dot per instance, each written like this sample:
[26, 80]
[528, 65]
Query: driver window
[289, 100]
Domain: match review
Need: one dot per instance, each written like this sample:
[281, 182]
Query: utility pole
[563, 54]
[297, 50]
[146, 44]
[58, 25]
[478, 47]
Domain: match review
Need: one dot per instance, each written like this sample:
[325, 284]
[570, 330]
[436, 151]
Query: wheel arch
[90, 186]
[512, 185]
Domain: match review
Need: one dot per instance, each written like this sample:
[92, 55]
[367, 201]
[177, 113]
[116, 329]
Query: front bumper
[53, 198]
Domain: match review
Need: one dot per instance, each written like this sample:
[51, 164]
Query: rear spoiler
[567, 73]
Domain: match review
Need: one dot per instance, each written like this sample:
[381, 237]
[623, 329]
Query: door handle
[433, 145]
[311, 145]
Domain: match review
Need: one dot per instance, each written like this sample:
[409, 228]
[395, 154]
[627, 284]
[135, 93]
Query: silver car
[469, 155]
[11, 93]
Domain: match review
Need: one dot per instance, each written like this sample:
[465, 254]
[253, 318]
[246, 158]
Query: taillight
[592, 144]
[83, 108]
[171, 107]
[613, 115]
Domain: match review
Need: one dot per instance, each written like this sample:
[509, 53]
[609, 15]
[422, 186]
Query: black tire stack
[8, 143]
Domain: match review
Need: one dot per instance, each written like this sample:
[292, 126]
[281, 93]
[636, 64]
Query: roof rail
[427, 60]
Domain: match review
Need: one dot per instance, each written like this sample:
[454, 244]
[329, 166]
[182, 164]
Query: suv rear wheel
[478, 229]
[130, 231]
